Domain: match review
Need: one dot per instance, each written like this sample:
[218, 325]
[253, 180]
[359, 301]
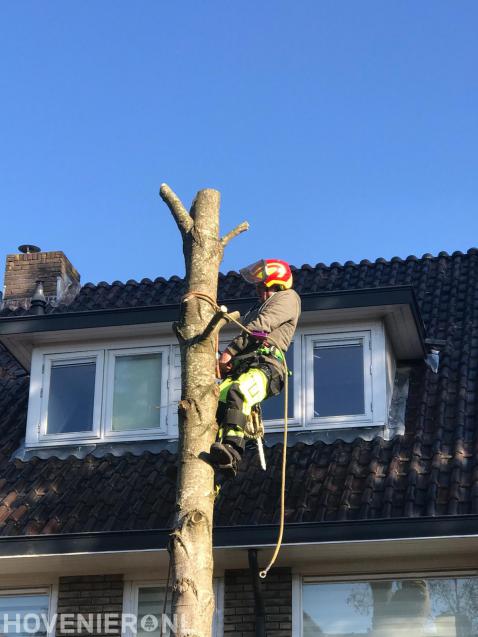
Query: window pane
[395, 608]
[71, 398]
[14, 608]
[338, 380]
[150, 609]
[137, 392]
[273, 408]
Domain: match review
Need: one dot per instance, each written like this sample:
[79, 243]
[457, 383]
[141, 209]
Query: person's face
[263, 292]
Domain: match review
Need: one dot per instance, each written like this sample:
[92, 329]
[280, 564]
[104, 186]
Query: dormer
[112, 374]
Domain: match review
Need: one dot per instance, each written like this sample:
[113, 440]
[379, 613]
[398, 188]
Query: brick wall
[23, 270]
[89, 594]
[239, 603]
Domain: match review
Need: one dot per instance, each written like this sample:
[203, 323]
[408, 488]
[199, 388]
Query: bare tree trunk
[192, 560]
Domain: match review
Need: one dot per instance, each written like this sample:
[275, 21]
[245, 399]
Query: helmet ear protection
[269, 272]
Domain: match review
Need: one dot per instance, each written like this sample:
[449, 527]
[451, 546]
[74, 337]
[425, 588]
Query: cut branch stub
[179, 212]
[242, 227]
[217, 323]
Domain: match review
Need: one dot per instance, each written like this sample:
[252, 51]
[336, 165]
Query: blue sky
[339, 130]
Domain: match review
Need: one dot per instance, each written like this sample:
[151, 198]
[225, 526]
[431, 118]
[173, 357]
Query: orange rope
[212, 302]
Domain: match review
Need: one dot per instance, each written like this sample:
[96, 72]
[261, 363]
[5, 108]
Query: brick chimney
[23, 270]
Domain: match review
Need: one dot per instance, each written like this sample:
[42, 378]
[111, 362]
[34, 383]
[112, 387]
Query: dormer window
[342, 377]
[134, 400]
[338, 376]
[93, 395]
[71, 384]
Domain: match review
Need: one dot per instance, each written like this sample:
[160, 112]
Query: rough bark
[196, 330]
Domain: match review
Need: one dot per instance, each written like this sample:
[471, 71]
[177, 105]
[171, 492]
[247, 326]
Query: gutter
[247, 536]
[340, 299]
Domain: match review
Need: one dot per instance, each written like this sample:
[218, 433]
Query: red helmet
[269, 272]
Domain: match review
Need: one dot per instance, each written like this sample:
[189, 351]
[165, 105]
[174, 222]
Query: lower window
[443, 607]
[145, 602]
[25, 613]
[150, 609]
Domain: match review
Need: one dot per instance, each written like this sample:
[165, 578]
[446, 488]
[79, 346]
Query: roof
[431, 470]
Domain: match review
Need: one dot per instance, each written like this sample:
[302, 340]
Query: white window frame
[108, 391]
[71, 358]
[131, 598]
[372, 335]
[298, 581]
[363, 338]
[104, 352]
[52, 593]
[375, 376]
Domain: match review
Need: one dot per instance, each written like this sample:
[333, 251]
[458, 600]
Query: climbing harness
[279, 354]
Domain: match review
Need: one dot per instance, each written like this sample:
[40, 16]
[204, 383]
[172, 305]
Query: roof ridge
[304, 267]
[144, 281]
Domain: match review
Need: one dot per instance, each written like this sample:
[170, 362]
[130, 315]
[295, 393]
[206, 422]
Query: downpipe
[259, 608]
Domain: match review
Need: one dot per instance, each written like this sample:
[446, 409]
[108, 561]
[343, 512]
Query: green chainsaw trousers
[237, 396]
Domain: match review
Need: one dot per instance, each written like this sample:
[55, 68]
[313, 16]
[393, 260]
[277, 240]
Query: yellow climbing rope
[223, 310]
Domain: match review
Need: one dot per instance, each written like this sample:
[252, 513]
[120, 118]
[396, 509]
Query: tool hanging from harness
[254, 430]
[260, 358]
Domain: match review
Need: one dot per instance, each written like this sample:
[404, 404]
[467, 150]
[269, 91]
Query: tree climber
[253, 365]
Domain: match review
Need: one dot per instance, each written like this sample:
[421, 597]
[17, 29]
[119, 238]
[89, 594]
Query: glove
[225, 363]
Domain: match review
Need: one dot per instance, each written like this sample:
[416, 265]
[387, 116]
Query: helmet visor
[255, 273]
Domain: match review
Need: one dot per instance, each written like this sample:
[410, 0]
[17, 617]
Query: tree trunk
[196, 330]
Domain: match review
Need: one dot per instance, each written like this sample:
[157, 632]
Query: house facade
[381, 531]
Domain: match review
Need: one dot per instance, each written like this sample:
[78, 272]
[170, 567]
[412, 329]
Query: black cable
[165, 596]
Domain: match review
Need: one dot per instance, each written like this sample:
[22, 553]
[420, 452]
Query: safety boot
[225, 459]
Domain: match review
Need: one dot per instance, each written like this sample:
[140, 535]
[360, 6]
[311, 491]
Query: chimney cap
[28, 248]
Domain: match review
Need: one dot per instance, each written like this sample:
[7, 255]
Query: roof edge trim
[244, 536]
[338, 299]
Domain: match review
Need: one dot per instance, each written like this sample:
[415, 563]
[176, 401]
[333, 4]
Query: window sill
[310, 436]
[96, 449]
[168, 443]
[325, 425]
[65, 440]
